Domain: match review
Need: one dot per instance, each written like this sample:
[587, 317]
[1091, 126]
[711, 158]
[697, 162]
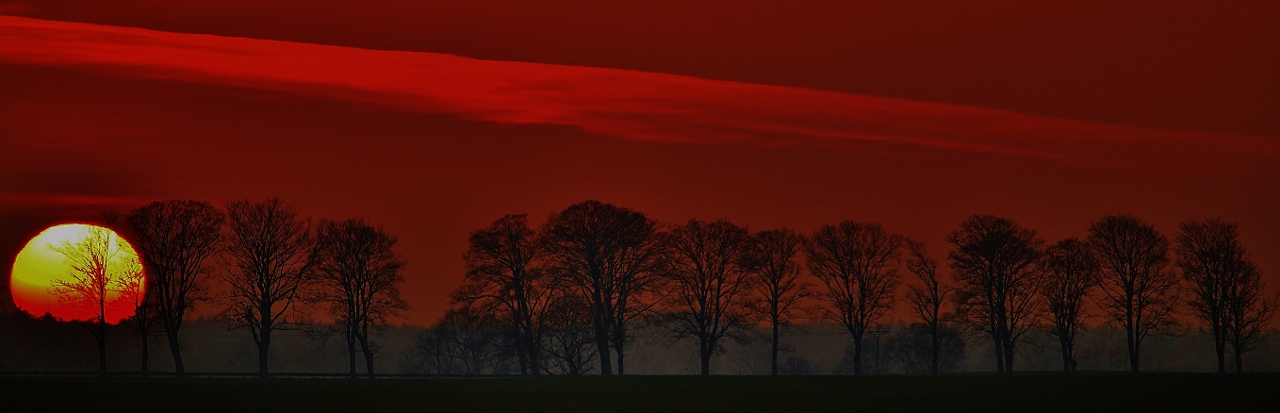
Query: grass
[1088, 393]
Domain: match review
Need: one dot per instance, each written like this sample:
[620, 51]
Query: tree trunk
[522, 352]
[535, 358]
[1220, 345]
[264, 340]
[176, 350]
[351, 351]
[601, 325]
[1066, 355]
[263, 346]
[1008, 356]
[146, 357]
[774, 344]
[622, 366]
[1133, 349]
[102, 345]
[603, 349]
[1239, 360]
[998, 347]
[368, 352]
[934, 359]
[705, 350]
[857, 356]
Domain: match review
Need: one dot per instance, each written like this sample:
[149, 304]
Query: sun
[45, 278]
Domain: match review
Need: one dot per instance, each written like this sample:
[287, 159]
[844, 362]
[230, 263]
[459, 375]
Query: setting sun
[48, 277]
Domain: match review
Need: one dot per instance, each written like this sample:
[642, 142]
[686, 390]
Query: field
[1090, 393]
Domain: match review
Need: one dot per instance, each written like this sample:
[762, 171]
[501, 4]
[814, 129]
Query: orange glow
[40, 267]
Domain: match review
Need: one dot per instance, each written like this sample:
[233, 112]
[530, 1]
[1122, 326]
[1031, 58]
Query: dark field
[1088, 393]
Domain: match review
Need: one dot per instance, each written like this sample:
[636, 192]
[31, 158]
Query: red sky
[433, 118]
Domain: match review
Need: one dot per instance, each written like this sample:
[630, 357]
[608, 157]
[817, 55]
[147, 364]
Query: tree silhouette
[857, 262]
[1138, 291]
[569, 336]
[705, 263]
[608, 254]
[141, 301]
[1071, 272]
[176, 238]
[927, 298]
[912, 349]
[464, 341]
[779, 288]
[994, 265]
[1226, 287]
[136, 297]
[270, 257]
[430, 353]
[359, 275]
[501, 277]
[99, 261]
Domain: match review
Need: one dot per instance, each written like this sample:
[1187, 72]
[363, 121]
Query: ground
[1040, 392]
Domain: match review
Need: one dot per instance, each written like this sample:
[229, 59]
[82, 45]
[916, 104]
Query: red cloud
[628, 104]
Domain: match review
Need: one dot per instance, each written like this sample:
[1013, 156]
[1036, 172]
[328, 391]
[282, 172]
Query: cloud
[627, 104]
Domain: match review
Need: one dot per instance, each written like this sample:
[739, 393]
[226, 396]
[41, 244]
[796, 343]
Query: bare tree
[607, 253]
[637, 289]
[136, 297]
[141, 302]
[1226, 287]
[1138, 290]
[359, 274]
[569, 336]
[1071, 272]
[857, 262]
[98, 261]
[911, 348]
[270, 256]
[429, 354]
[175, 238]
[477, 339]
[779, 289]
[706, 265]
[501, 276]
[463, 342]
[927, 297]
[994, 265]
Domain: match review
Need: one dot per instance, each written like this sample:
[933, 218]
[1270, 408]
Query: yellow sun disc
[41, 268]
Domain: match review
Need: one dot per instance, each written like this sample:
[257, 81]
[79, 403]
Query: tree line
[264, 267]
[567, 297]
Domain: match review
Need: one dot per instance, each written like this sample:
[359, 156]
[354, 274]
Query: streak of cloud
[628, 104]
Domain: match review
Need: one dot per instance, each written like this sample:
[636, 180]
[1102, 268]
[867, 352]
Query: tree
[927, 298]
[912, 349]
[501, 276]
[705, 263]
[994, 265]
[1071, 272]
[1225, 285]
[569, 336]
[135, 298]
[464, 341]
[99, 261]
[429, 354]
[778, 285]
[857, 263]
[270, 257]
[608, 254]
[141, 301]
[1138, 291]
[175, 239]
[359, 273]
